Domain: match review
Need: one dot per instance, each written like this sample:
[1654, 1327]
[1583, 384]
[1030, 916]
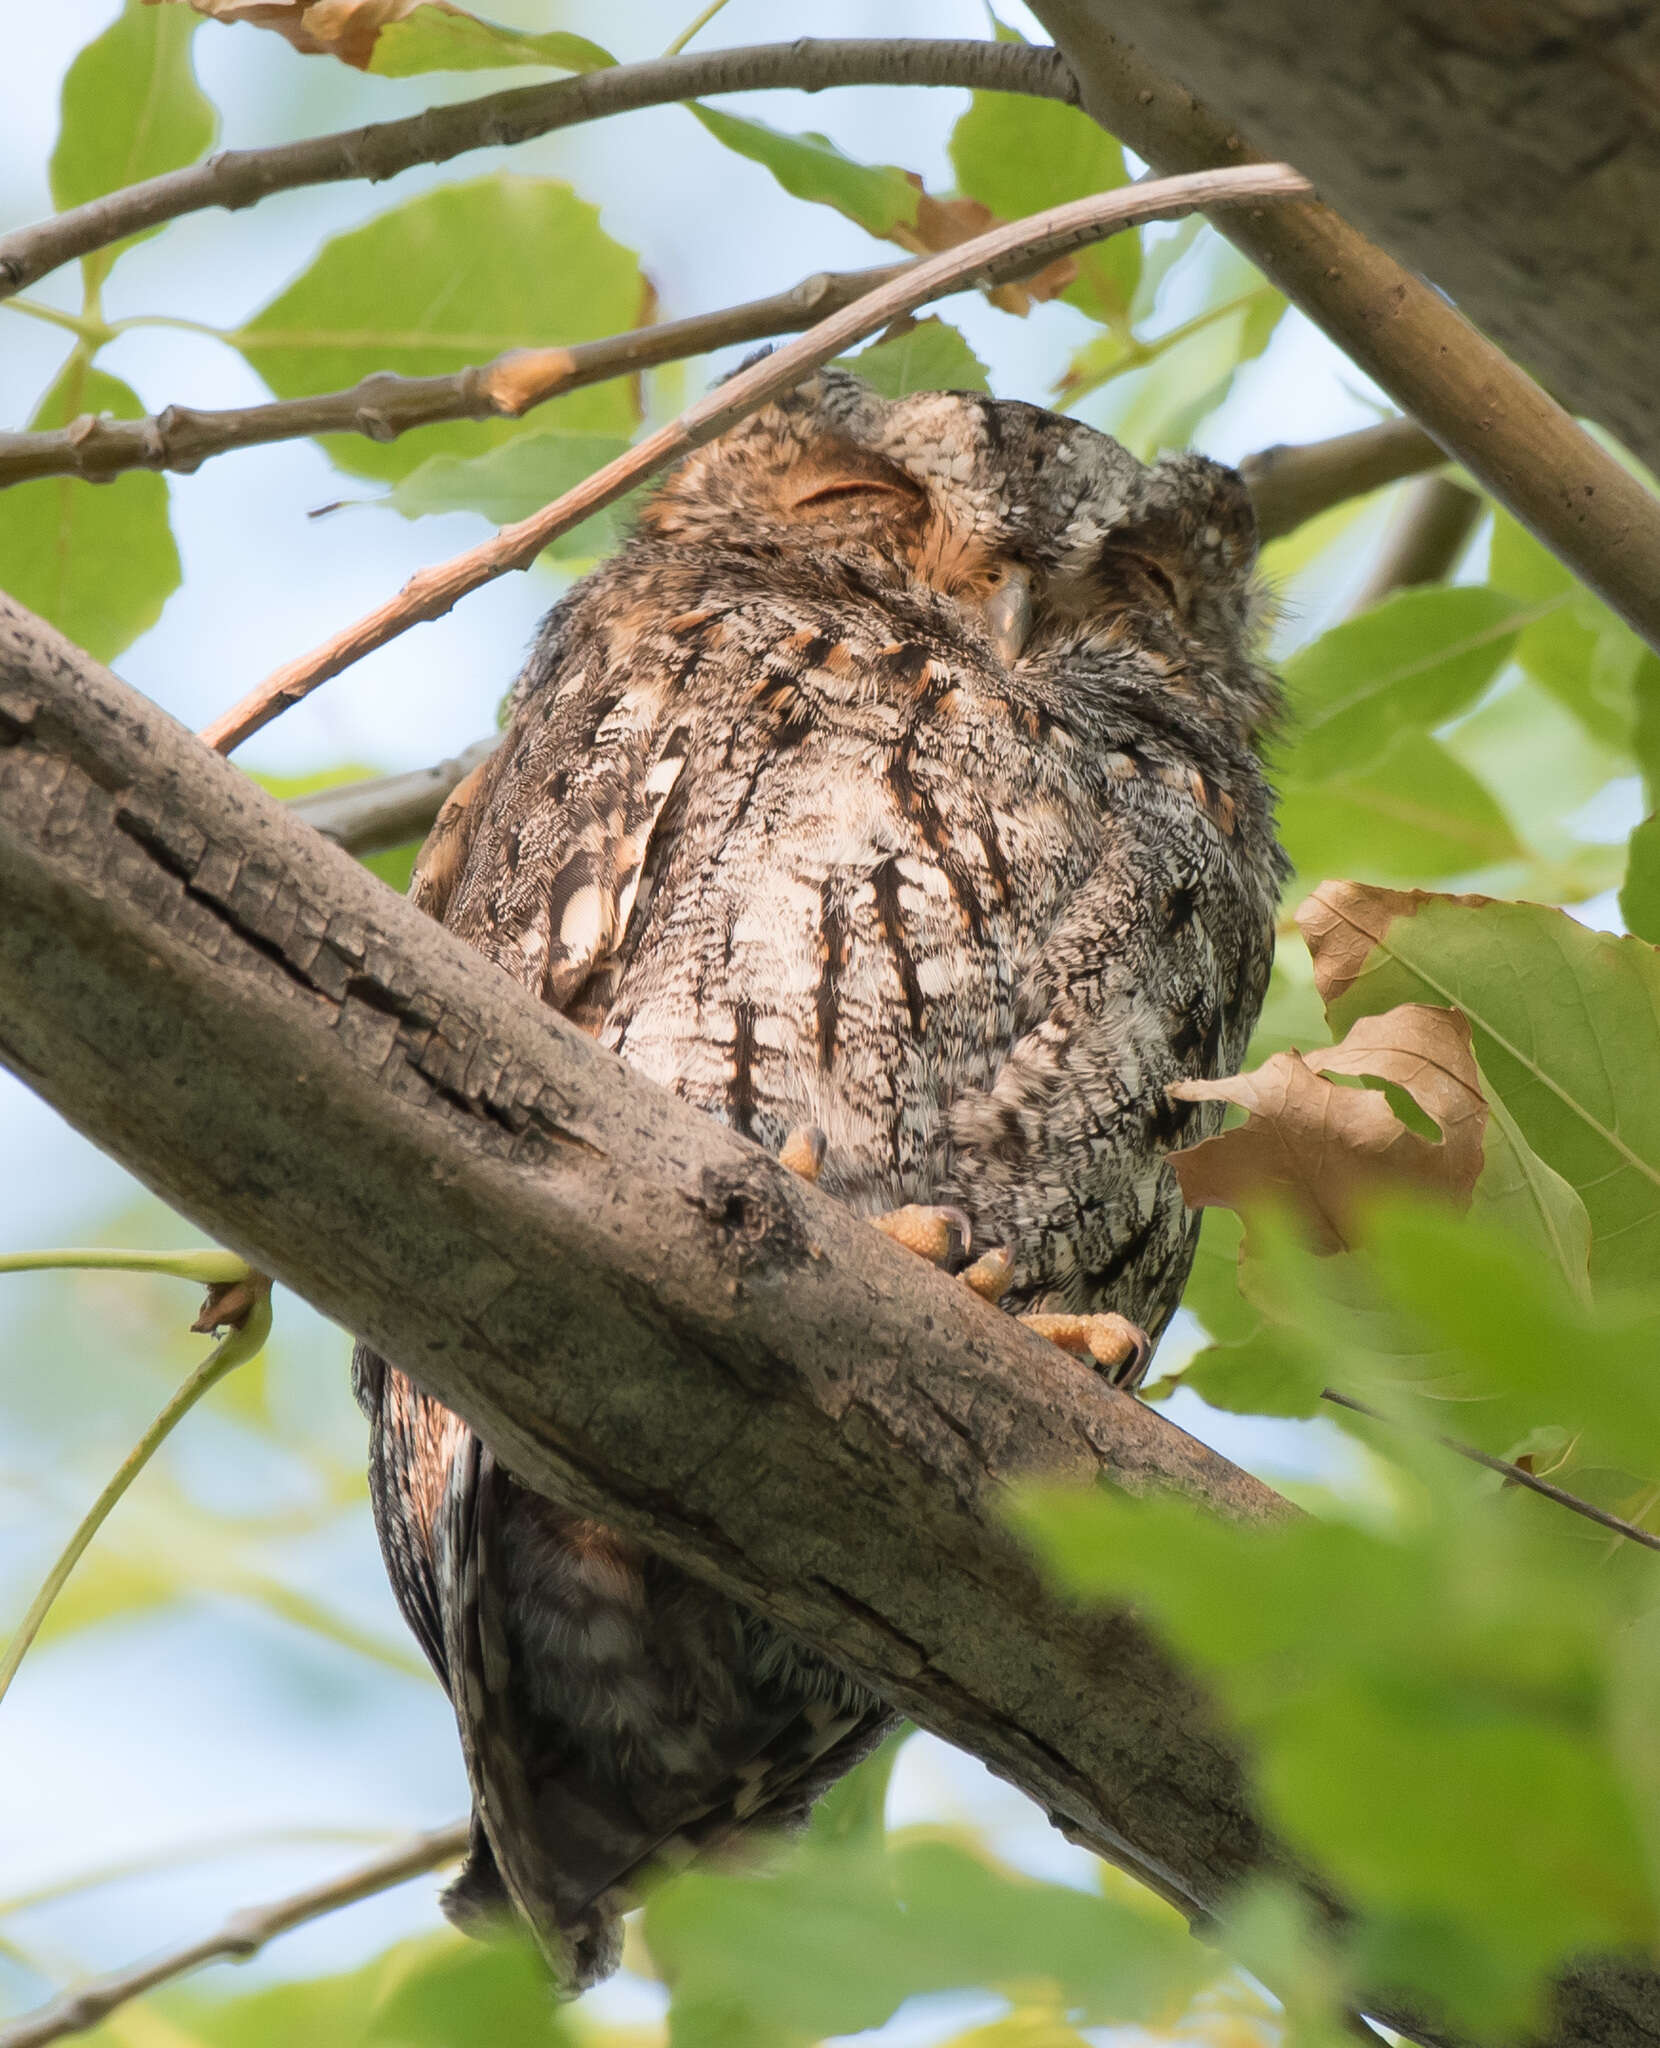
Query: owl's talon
[939, 1234]
[1117, 1346]
[803, 1151]
[990, 1273]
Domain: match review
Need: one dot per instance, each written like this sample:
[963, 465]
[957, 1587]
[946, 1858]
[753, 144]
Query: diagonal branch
[1488, 414]
[239, 177]
[1039, 238]
[243, 1935]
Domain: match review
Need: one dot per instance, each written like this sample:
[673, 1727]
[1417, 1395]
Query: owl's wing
[542, 856]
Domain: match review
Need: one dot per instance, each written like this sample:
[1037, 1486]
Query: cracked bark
[1510, 152]
[638, 1310]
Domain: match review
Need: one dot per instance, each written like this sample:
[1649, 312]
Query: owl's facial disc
[1008, 615]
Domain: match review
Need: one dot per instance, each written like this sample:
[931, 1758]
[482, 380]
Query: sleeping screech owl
[893, 795]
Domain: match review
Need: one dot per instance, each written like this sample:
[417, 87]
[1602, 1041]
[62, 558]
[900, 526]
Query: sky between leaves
[1429, 1673]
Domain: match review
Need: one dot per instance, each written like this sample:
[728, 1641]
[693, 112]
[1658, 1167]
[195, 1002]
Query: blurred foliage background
[1445, 1685]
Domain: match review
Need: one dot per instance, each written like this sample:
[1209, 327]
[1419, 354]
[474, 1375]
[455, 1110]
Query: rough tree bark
[1510, 152]
[637, 1309]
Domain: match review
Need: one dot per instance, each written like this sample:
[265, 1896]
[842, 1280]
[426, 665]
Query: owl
[893, 796]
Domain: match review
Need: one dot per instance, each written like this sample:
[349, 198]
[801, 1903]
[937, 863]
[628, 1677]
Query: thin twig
[243, 1935]
[432, 592]
[233, 1349]
[1513, 438]
[1518, 1474]
[239, 177]
[384, 405]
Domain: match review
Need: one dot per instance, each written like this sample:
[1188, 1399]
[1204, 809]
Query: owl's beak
[1009, 616]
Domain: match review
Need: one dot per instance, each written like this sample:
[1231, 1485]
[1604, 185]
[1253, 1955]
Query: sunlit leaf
[1566, 1024]
[1019, 155]
[1640, 891]
[446, 280]
[1415, 660]
[98, 560]
[1579, 651]
[881, 198]
[931, 356]
[131, 109]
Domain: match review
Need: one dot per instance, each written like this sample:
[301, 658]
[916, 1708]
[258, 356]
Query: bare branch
[385, 405]
[1423, 541]
[1042, 236]
[239, 177]
[243, 1935]
[1516, 441]
[1291, 484]
[389, 810]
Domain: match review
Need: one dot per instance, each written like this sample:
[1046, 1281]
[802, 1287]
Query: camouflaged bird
[893, 796]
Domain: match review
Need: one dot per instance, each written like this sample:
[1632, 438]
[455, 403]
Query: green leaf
[1410, 1701]
[880, 197]
[930, 356]
[446, 280]
[131, 109]
[443, 38]
[1640, 891]
[1579, 651]
[1523, 1195]
[516, 479]
[1566, 1024]
[837, 1938]
[98, 560]
[1415, 661]
[1019, 155]
[1415, 812]
[1164, 387]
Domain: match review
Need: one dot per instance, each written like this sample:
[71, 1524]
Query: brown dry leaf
[1316, 1147]
[1342, 923]
[346, 29]
[943, 223]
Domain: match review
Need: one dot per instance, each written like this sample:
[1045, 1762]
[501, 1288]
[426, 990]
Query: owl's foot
[938, 1234]
[1118, 1347]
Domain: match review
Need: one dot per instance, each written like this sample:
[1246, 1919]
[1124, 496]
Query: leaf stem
[702, 22]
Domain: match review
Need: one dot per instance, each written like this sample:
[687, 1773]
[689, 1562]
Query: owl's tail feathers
[477, 1900]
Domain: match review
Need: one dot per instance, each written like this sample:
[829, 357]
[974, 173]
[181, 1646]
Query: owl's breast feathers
[899, 778]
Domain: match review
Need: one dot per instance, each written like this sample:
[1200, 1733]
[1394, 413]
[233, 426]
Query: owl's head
[1040, 526]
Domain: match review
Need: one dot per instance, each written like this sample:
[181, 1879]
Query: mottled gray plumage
[898, 778]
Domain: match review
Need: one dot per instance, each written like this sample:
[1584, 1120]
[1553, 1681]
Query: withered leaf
[1342, 923]
[1314, 1146]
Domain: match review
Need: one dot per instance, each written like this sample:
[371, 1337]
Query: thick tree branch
[389, 810]
[1040, 237]
[639, 1310]
[1520, 445]
[643, 1314]
[239, 177]
[243, 1935]
[1511, 153]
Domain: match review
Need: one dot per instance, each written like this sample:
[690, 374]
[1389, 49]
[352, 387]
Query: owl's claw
[940, 1235]
[990, 1274]
[1118, 1347]
[803, 1151]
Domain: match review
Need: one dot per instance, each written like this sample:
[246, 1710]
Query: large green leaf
[131, 109]
[931, 356]
[445, 38]
[1018, 155]
[1413, 661]
[446, 280]
[1410, 1701]
[1578, 650]
[98, 560]
[1413, 813]
[880, 197]
[1566, 1024]
[838, 1938]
